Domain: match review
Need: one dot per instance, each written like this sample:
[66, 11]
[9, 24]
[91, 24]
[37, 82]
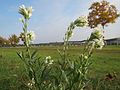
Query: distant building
[55, 43]
[70, 42]
[77, 42]
[113, 41]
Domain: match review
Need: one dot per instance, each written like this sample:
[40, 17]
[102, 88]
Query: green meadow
[105, 61]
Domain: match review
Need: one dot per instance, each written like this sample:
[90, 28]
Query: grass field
[12, 68]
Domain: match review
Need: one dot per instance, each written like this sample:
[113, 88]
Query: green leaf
[76, 78]
[30, 73]
[20, 55]
[64, 76]
[33, 54]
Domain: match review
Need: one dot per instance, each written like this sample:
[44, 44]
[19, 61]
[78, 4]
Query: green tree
[14, 40]
[1, 41]
[4, 42]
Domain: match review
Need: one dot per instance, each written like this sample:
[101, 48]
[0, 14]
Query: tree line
[13, 40]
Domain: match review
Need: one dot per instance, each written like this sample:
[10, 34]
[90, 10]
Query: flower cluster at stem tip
[82, 21]
[26, 12]
[97, 38]
[26, 36]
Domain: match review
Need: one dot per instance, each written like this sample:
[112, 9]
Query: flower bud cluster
[69, 34]
[31, 83]
[26, 12]
[97, 38]
[30, 36]
[48, 60]
[81, 21]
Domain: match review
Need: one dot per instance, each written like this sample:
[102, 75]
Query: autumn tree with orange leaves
[102, 13]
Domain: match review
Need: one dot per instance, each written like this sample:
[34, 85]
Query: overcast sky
[51, 18]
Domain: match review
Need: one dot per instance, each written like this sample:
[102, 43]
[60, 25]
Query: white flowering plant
[74, 71]
[37, 70]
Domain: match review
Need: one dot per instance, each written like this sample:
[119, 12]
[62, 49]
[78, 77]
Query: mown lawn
[12, 68]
